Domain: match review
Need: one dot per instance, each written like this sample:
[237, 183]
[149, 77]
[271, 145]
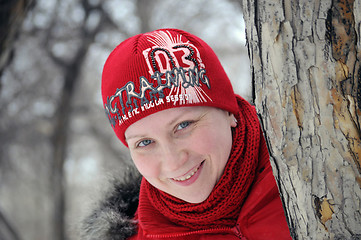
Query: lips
[186, 177]
[189, 174]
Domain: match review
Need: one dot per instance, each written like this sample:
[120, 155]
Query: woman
[199, 147]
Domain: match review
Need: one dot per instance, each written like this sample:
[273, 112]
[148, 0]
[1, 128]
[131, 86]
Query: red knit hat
[163, 69]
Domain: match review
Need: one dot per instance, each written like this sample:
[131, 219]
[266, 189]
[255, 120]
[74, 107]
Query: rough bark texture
[305, 58]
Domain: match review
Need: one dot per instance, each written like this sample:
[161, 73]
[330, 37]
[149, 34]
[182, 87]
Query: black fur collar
[112, 218]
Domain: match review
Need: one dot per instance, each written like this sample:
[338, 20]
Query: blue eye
[183, 125]
[144, 143]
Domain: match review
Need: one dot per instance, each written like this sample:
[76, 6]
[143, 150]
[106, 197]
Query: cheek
[213, 139]
[205, 143]
[146, 165]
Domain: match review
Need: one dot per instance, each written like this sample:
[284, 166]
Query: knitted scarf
[222, 207]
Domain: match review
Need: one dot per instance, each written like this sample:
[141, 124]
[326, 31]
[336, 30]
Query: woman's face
[182, 151]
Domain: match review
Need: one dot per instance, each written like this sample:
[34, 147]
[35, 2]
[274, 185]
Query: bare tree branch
[62, 117]
[7, 231]
[12, 15]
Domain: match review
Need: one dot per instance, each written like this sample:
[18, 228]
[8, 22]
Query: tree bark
[305, 65]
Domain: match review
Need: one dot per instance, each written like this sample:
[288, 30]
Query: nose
[173, 156]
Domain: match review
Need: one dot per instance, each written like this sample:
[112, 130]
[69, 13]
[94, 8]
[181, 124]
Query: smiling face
[182, 151]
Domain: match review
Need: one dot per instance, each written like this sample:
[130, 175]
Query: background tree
[56, 145]
[12, 14]
[305, 58]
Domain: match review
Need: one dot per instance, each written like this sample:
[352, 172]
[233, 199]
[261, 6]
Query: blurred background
[57, 149]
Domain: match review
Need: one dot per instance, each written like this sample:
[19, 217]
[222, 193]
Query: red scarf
[222, 207]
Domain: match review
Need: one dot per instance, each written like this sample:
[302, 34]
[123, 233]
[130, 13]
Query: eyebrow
[176, 119]
[170, 123]
[134, 136]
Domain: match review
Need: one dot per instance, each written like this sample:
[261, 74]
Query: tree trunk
[305, 63]
[12, 14]
[62, 119]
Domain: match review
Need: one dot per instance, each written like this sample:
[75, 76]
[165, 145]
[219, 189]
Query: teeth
[188, 176]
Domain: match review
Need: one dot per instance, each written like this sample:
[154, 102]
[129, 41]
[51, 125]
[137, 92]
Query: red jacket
[262, 217]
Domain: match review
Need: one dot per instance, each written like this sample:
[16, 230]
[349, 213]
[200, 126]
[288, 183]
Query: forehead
[170, 114]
